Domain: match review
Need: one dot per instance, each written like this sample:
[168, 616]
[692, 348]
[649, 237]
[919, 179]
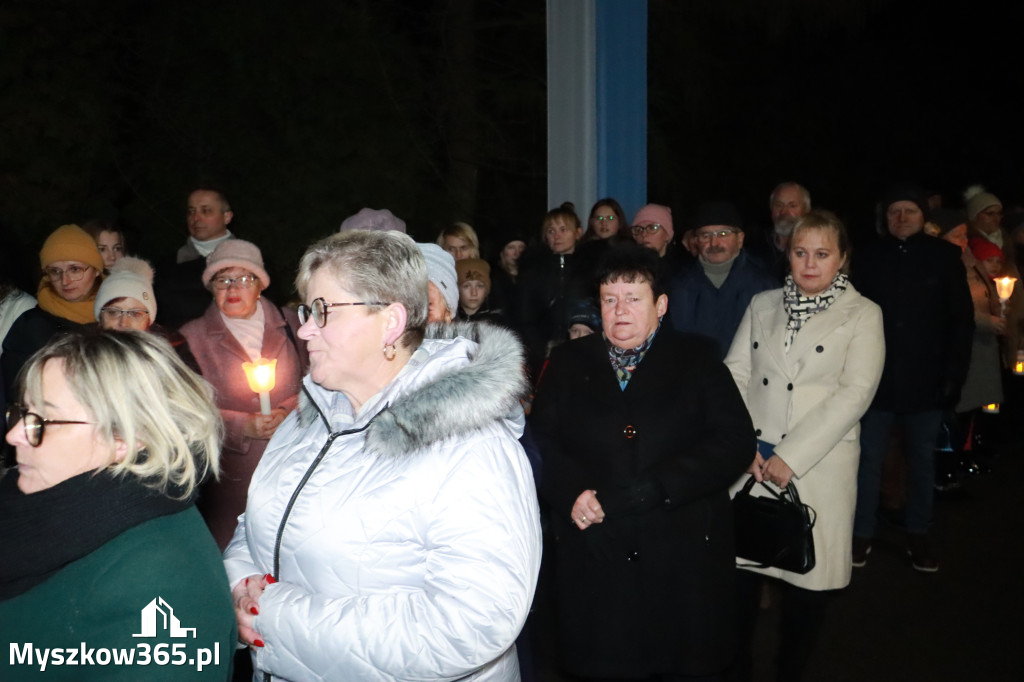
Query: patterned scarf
[800, 308]
[625, 360]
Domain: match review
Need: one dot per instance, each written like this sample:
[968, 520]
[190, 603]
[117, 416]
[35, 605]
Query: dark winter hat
[583, 311]
[910, 193]
[717, 213]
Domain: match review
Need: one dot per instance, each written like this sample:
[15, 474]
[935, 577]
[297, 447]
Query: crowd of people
[379, 505]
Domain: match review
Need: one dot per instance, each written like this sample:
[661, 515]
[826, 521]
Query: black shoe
[861, 549]
[922, 554]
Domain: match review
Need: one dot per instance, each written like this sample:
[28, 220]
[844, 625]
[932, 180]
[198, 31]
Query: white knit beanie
[129, 278]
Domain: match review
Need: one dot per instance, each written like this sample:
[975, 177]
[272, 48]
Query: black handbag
[774, 531]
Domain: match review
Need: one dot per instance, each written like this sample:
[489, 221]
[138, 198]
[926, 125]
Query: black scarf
[45, 531]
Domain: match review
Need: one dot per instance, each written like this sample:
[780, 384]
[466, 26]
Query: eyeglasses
[74, 273]
[708, 236]
[115, 314]
[649, 229]
[243, 282]
[34, 425]
[319, 307]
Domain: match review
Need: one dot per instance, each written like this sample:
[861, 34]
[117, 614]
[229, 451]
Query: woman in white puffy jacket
[391, 530]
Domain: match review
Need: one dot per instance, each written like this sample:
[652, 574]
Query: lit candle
[993, 408]
[1018, 367]
[1004, 287]
[262, 378]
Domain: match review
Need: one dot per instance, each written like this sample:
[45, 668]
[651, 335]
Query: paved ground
[962, 624]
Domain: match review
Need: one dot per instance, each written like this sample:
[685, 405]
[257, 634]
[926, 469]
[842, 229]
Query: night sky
[308, 112]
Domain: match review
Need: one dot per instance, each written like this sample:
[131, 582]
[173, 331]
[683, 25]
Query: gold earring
[389, 351]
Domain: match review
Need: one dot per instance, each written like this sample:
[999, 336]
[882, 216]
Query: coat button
[765, 381]
[755, 344]
[782, 436]
[757, 432]
[789, 387]
[820, 349]
[629, 431]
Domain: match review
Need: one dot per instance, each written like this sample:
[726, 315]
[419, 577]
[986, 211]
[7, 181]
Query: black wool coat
[650, 590]
[928, 316]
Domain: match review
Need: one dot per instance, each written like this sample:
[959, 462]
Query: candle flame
[261, 374]
[1004, 287]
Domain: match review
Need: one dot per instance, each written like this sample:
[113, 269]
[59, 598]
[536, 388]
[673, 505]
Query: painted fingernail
[269, 578]
[258, 642]
[253, 611]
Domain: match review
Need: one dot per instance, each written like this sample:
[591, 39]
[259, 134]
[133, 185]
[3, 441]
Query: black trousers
[801, 615]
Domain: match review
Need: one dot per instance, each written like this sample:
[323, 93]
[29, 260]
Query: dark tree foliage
[305, 112]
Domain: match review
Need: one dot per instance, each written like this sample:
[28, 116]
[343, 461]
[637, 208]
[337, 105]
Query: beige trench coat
[809, 402]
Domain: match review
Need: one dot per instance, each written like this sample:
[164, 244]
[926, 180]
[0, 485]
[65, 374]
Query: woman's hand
[246, 596]
[777, 471]
[998, 325]
[757, 467]
[262, 426]
[586, 510]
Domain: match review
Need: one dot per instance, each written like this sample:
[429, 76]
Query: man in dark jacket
[711, 296]
[921, 286]
[178, 285]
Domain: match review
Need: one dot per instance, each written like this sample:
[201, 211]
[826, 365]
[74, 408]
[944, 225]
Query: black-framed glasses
[649, 229]
[711, 234]
[319, 307]
[115, 314]
[243, 282]
[33, 424]
[74, 273]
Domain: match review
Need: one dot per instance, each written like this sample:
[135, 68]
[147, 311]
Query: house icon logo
[159, 614]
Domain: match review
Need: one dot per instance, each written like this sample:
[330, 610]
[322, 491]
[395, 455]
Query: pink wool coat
[220, 357]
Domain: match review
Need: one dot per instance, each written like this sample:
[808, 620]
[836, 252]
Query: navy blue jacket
[695, 306]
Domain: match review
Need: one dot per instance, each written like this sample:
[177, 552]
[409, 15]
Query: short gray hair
[374, 266]
[805, 196]
[137, 390]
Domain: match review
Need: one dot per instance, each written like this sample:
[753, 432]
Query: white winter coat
[809, 402]
[413, 550]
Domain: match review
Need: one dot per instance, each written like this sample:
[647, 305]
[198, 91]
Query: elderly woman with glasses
[72, 271]
[100, 535]
[240, 326]
[392, 529]
[641, 431]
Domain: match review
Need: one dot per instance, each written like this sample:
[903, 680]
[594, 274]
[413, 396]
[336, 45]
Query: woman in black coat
[642, 431]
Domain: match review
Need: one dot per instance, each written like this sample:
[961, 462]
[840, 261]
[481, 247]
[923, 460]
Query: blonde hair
[463, 231]
[137, 391]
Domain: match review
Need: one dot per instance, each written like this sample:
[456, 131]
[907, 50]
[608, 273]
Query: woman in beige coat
[807, 359]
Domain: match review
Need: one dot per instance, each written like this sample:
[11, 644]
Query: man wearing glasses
[711, 296]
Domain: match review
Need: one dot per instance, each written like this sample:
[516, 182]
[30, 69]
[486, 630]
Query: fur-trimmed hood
[424, 406]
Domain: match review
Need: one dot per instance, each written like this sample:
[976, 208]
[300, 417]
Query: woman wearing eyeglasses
[72, 270]
[241, 326]
[101, 541]
[392, 528]
[126, 301]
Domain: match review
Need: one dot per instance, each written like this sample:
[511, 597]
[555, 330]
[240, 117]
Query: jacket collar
[416, 412]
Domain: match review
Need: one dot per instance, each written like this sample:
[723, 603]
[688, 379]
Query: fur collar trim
[456, 402]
